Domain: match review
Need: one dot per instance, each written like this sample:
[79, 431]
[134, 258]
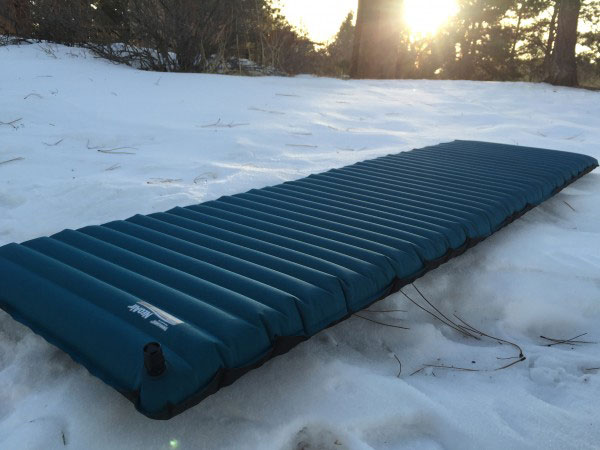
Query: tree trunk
[563, 65]
[377, 33]
[14, 18]
[550, 42]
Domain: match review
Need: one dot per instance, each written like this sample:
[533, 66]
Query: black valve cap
[154, 359]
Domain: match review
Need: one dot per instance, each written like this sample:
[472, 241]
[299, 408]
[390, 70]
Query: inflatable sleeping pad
[168, 308]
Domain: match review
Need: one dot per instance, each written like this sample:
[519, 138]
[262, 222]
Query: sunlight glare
[425, 17]
[320, 18]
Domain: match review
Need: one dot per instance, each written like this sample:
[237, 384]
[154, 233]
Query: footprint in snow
[313, 437]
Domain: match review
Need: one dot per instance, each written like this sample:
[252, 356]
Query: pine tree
[339, 51]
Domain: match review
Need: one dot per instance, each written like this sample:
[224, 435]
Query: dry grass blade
[117, 151]
[571, 341]
[449, 324]
[20, 158]
[466, 329]
[164, 180]
[567, 203]
[468, 369]
[381, 323]
[517, 359]
[432, 305]
[33, 94]
[350, 149]
[90, 147]
[384, 310]
[12, 123]
[302, 145]
[54, 144]
[219, 124]
[268, 111]
[399, 365]
[462, 369]
[497, 339]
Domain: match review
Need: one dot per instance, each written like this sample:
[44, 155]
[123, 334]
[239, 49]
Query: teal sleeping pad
[170, 307]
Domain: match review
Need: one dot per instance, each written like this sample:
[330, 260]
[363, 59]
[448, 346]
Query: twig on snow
[567, 203]
[12, 123]
[33, 94]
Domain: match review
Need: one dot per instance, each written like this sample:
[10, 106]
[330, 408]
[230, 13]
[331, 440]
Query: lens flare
[425, 17]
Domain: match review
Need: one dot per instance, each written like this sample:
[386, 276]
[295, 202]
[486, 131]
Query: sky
[322, 18]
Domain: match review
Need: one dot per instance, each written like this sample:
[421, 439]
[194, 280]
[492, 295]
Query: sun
[322, 18]
[425, 17]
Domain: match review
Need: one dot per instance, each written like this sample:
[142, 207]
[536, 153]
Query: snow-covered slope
[88, 142]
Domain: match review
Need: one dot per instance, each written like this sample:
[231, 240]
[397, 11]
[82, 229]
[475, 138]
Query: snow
[187, 138]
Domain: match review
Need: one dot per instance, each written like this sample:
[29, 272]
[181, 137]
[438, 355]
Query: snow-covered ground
[92, 142]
